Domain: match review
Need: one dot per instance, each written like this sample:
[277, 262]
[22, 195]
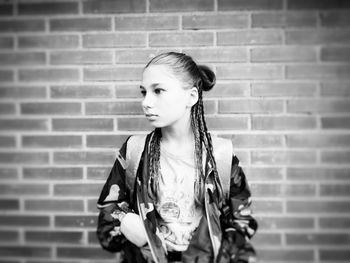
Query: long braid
[154, 164]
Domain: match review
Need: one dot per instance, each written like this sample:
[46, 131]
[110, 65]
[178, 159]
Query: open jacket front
[223, 233]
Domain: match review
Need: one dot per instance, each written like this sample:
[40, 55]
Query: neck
[179, 133]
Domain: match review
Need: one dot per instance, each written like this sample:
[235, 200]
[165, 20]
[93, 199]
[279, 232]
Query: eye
[143, 93]
[158, 91]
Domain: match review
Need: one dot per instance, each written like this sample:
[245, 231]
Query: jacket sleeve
[113, 205]
[238, 224]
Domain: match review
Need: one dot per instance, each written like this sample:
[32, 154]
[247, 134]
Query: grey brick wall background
[69, 76]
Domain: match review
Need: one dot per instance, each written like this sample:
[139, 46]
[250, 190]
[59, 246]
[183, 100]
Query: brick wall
[69, 76]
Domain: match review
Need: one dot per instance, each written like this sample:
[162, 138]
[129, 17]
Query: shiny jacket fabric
[222, 236]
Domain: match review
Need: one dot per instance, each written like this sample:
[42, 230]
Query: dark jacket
[223, 233]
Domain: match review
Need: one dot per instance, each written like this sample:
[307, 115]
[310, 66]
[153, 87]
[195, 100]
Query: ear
[193, 97]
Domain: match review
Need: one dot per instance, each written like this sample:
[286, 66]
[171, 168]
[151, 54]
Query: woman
[168, 197]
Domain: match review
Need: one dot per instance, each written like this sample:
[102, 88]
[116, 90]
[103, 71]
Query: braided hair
[203, 78]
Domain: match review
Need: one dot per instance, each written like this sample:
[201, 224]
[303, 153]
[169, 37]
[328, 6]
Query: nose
[147, 101]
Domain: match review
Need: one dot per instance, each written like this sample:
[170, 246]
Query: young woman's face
[165, 100]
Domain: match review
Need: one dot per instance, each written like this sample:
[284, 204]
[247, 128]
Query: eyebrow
[154, 85]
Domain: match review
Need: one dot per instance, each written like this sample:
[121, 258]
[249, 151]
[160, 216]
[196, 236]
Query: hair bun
[207, 76]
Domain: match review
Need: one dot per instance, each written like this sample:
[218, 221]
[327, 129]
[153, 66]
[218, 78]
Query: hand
[133, 229]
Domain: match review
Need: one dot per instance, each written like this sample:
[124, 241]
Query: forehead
[158, 74]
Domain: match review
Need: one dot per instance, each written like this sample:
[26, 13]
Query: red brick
[114, 6]
[81, 57]
[283, 123]
[49, 75]
[267, 206]
[113, 108]
[340, 157]
[8, 236]
[7, 108]
[224, 5]
[105, 141]
[8, 173]
[317, 4]
[283, 89]
[52, 141]
[7, 141]
[335, 190]
[222, 21]
[83, 157]
[249, 37]
[6, 42]
[284, 19]
[318, 174]
[285, 222]
[92, 238]
[321, 72]
[133, 124]
[6, 9]
[25, 251]
[251, 72]
[21, 58]
[283, 54]
[317, 37]
[267, 238]
[335, 54]
[317, 239]
[263, 173]
[24, 189]
[114, 73]
[92, 206]
[6, 75]
[127, 91]
[51, 108]
[80, 91]
[335, 122]
[137, 56]
[59, 173]
[81, 24]
[22, 92]
[181, 5]
[98, 173]
[206, 55]
[146, 23]
[272, 190]
[71, 206]
[342, 255]
[81, 252]
[250, 106]
[82, 124]
[229, 89]
[22, 25]
[54, 236]
[338, 89]
[78, 221]
[23, 220]
[334, 222]
[23, 125]
[77, 190]
[114, 40]
[8, 205]
[227, 123]
[316, 207]
[283, 157]
[255, 140]
[48, 41]
[335, 19]
[318, 140]
[47, 8]
[24, 158]
[184, 39]
[286, 254]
